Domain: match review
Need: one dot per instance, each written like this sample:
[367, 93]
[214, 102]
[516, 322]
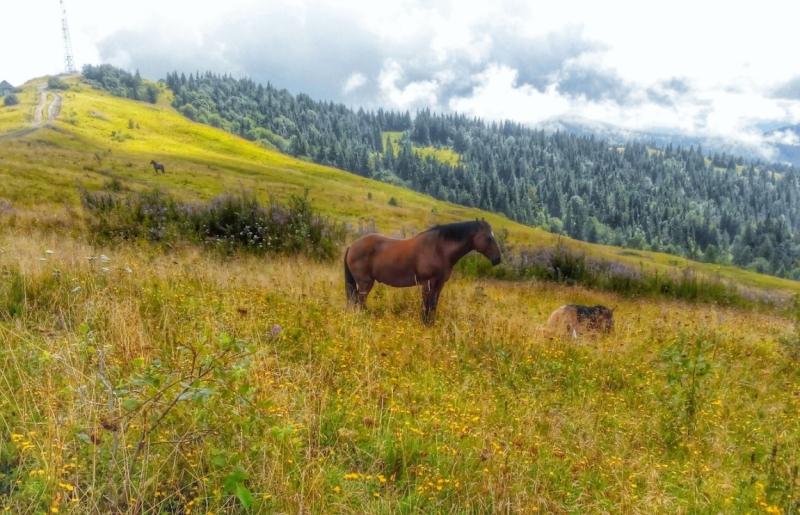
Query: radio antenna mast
[69, 61]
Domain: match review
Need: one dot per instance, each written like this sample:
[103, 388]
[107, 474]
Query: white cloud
[354, 82]
[414, 94]
[784, 138]
[498, 96]
[704, 69]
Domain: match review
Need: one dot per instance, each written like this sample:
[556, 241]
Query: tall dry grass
[176, 381]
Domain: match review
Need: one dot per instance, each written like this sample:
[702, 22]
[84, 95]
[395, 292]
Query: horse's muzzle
[496, 260]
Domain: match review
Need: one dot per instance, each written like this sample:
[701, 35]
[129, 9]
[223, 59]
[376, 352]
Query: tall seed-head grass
[371, 411]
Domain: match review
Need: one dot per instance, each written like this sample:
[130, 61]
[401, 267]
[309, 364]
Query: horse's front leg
[430, 298]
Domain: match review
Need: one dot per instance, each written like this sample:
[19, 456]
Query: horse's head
[486, 243]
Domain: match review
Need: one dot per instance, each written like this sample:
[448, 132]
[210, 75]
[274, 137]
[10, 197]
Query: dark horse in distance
[575, 319]
[157, 166]
[426, 260]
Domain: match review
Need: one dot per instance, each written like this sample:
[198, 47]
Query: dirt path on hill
[37, 117]
[55, 108]
[52, 113]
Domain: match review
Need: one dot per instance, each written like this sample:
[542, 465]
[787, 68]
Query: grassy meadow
[146, 378]
[446, 155]
[20, 116]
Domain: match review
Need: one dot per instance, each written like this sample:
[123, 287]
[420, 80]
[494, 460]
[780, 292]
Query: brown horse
[426, 260]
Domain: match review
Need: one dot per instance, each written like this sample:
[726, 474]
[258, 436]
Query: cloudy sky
[699, 68]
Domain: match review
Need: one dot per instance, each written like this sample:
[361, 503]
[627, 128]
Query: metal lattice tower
[69, 61]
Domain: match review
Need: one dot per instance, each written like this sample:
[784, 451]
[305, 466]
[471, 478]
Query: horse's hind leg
[358, 291]
[363, 287]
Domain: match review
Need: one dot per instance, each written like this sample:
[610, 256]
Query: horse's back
[388, 260]
[374, 243]
[362, 251]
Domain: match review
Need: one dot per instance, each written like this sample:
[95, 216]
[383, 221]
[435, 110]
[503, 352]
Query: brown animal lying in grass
[575, 319]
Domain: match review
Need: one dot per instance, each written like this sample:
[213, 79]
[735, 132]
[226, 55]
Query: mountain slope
[718, 208]
[99, 136]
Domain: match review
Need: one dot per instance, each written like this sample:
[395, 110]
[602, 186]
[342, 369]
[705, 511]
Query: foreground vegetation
[177, 381]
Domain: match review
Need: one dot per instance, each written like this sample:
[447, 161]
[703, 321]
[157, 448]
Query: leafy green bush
[199, 393]
[229, 223]
[56, 83]
[562, 265]
[120, 83]
[10, 100]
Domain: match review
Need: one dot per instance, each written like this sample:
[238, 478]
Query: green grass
[20, 116]
[446, 155]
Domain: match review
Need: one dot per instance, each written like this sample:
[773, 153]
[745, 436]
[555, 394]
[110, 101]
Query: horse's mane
[457, 231]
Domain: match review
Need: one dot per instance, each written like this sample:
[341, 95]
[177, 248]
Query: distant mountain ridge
[789, 128]
[787, 142]
[776, 147]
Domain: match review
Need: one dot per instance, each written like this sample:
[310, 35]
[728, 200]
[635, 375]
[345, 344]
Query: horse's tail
[350, 287]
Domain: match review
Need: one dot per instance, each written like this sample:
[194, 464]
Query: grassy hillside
[167, 379]
[92, 142]
[97, 142]
[20, 116]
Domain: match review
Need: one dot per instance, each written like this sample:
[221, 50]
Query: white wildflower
[48, 251]
[76, 289]
[104, 258]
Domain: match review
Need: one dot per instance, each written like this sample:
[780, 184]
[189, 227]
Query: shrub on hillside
[561, 265]
[120, 83]
[56, 83]
[230, 223]
[10, 100]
